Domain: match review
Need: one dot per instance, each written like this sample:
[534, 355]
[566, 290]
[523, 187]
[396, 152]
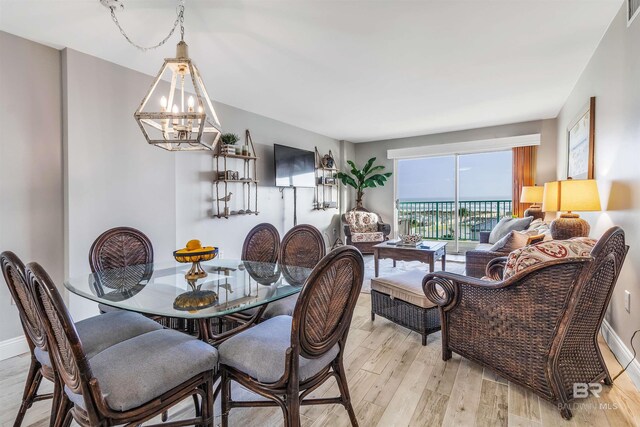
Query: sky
[483, 176]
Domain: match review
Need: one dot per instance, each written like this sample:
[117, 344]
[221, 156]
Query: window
[453, 197]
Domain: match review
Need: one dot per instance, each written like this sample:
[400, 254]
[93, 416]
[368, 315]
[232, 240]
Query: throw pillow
[506, 225]
[512, 241]
[579, 247]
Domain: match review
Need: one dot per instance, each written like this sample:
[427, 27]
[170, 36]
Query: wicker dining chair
[285, 358]
[262, 244]
[96, 333]
[119, 247]
[129, 382]
[538, 328]
[301, 249]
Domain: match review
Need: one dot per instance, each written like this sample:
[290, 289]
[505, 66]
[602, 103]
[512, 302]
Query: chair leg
[338, 367]
[34, 378]
[207, 404]
[67, 420]
[63, 415]
[56, 404]
[292, 417]
[226, 397]
[196, 405]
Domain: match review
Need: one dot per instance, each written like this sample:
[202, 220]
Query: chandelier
[176, 113]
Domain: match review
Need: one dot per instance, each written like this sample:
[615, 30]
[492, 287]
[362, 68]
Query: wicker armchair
[364, 229]
[539, 327]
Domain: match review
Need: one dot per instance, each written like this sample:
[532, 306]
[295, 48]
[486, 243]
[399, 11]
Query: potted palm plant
[369, 176]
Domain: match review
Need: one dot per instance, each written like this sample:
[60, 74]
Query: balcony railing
[437, 220]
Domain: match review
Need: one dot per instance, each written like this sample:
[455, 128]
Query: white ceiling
[357, 70]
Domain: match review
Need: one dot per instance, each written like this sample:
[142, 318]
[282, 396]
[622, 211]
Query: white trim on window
[467, 147]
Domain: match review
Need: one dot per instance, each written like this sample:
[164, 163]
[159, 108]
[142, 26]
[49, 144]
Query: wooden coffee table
[436, 251]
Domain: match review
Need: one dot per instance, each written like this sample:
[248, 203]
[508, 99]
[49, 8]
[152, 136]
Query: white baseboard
[624, 355]
[13, 347]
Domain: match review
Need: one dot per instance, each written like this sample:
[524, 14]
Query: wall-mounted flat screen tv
[294, 167]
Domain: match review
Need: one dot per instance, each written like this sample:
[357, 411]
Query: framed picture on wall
[580, 143]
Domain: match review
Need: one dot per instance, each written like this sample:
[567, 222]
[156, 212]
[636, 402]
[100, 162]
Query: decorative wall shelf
[248, 181]
[327, 188]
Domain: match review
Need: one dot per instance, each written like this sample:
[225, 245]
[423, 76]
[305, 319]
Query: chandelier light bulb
[191, 103]
[163, 103]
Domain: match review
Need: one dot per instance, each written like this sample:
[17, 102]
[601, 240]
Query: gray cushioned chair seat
[138, 370]
[42, 356]
[260, 352]
[100, 332]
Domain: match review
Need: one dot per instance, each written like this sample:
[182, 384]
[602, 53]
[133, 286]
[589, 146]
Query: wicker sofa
[364, 229]
[539, 326]
[478, 258]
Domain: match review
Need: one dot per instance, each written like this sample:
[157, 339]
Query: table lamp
[532, 194]
[566, 197]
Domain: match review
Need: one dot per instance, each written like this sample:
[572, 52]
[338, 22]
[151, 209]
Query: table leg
[375, 261]
[394, 263]
[444, 261]
[431, 264]
[206, 334]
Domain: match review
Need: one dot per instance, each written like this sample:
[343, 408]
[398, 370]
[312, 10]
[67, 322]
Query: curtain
[524, 174]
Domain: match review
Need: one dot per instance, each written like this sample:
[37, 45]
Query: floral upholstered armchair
[364, 229]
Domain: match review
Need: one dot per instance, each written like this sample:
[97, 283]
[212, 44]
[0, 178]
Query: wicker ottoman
[400, 298]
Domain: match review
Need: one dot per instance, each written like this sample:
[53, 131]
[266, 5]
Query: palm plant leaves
[365, 177]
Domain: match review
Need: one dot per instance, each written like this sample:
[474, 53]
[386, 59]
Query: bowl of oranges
[195, 253]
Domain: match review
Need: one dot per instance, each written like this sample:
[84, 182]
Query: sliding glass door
[453, 197]
[426, 192]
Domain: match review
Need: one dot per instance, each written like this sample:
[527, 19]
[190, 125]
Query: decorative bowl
[195, 254]
[195, 299]
[410, 239]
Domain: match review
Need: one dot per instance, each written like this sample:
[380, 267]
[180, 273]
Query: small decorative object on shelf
[229, 141]
[328, 161]
[247, 200]
[326, 196]
[195, 253]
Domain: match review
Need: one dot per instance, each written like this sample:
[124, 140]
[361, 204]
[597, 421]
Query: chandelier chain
[179, 20]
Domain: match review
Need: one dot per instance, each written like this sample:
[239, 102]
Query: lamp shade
[571, 195]
[531, 194]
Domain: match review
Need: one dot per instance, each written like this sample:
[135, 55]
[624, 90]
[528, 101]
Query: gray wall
[194, 189]
[612, 77]
[114, 178]
[381, 199]
[30, 163]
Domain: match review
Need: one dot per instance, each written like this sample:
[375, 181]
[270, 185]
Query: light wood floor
[394, 381]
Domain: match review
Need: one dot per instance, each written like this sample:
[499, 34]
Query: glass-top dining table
[161, 289]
